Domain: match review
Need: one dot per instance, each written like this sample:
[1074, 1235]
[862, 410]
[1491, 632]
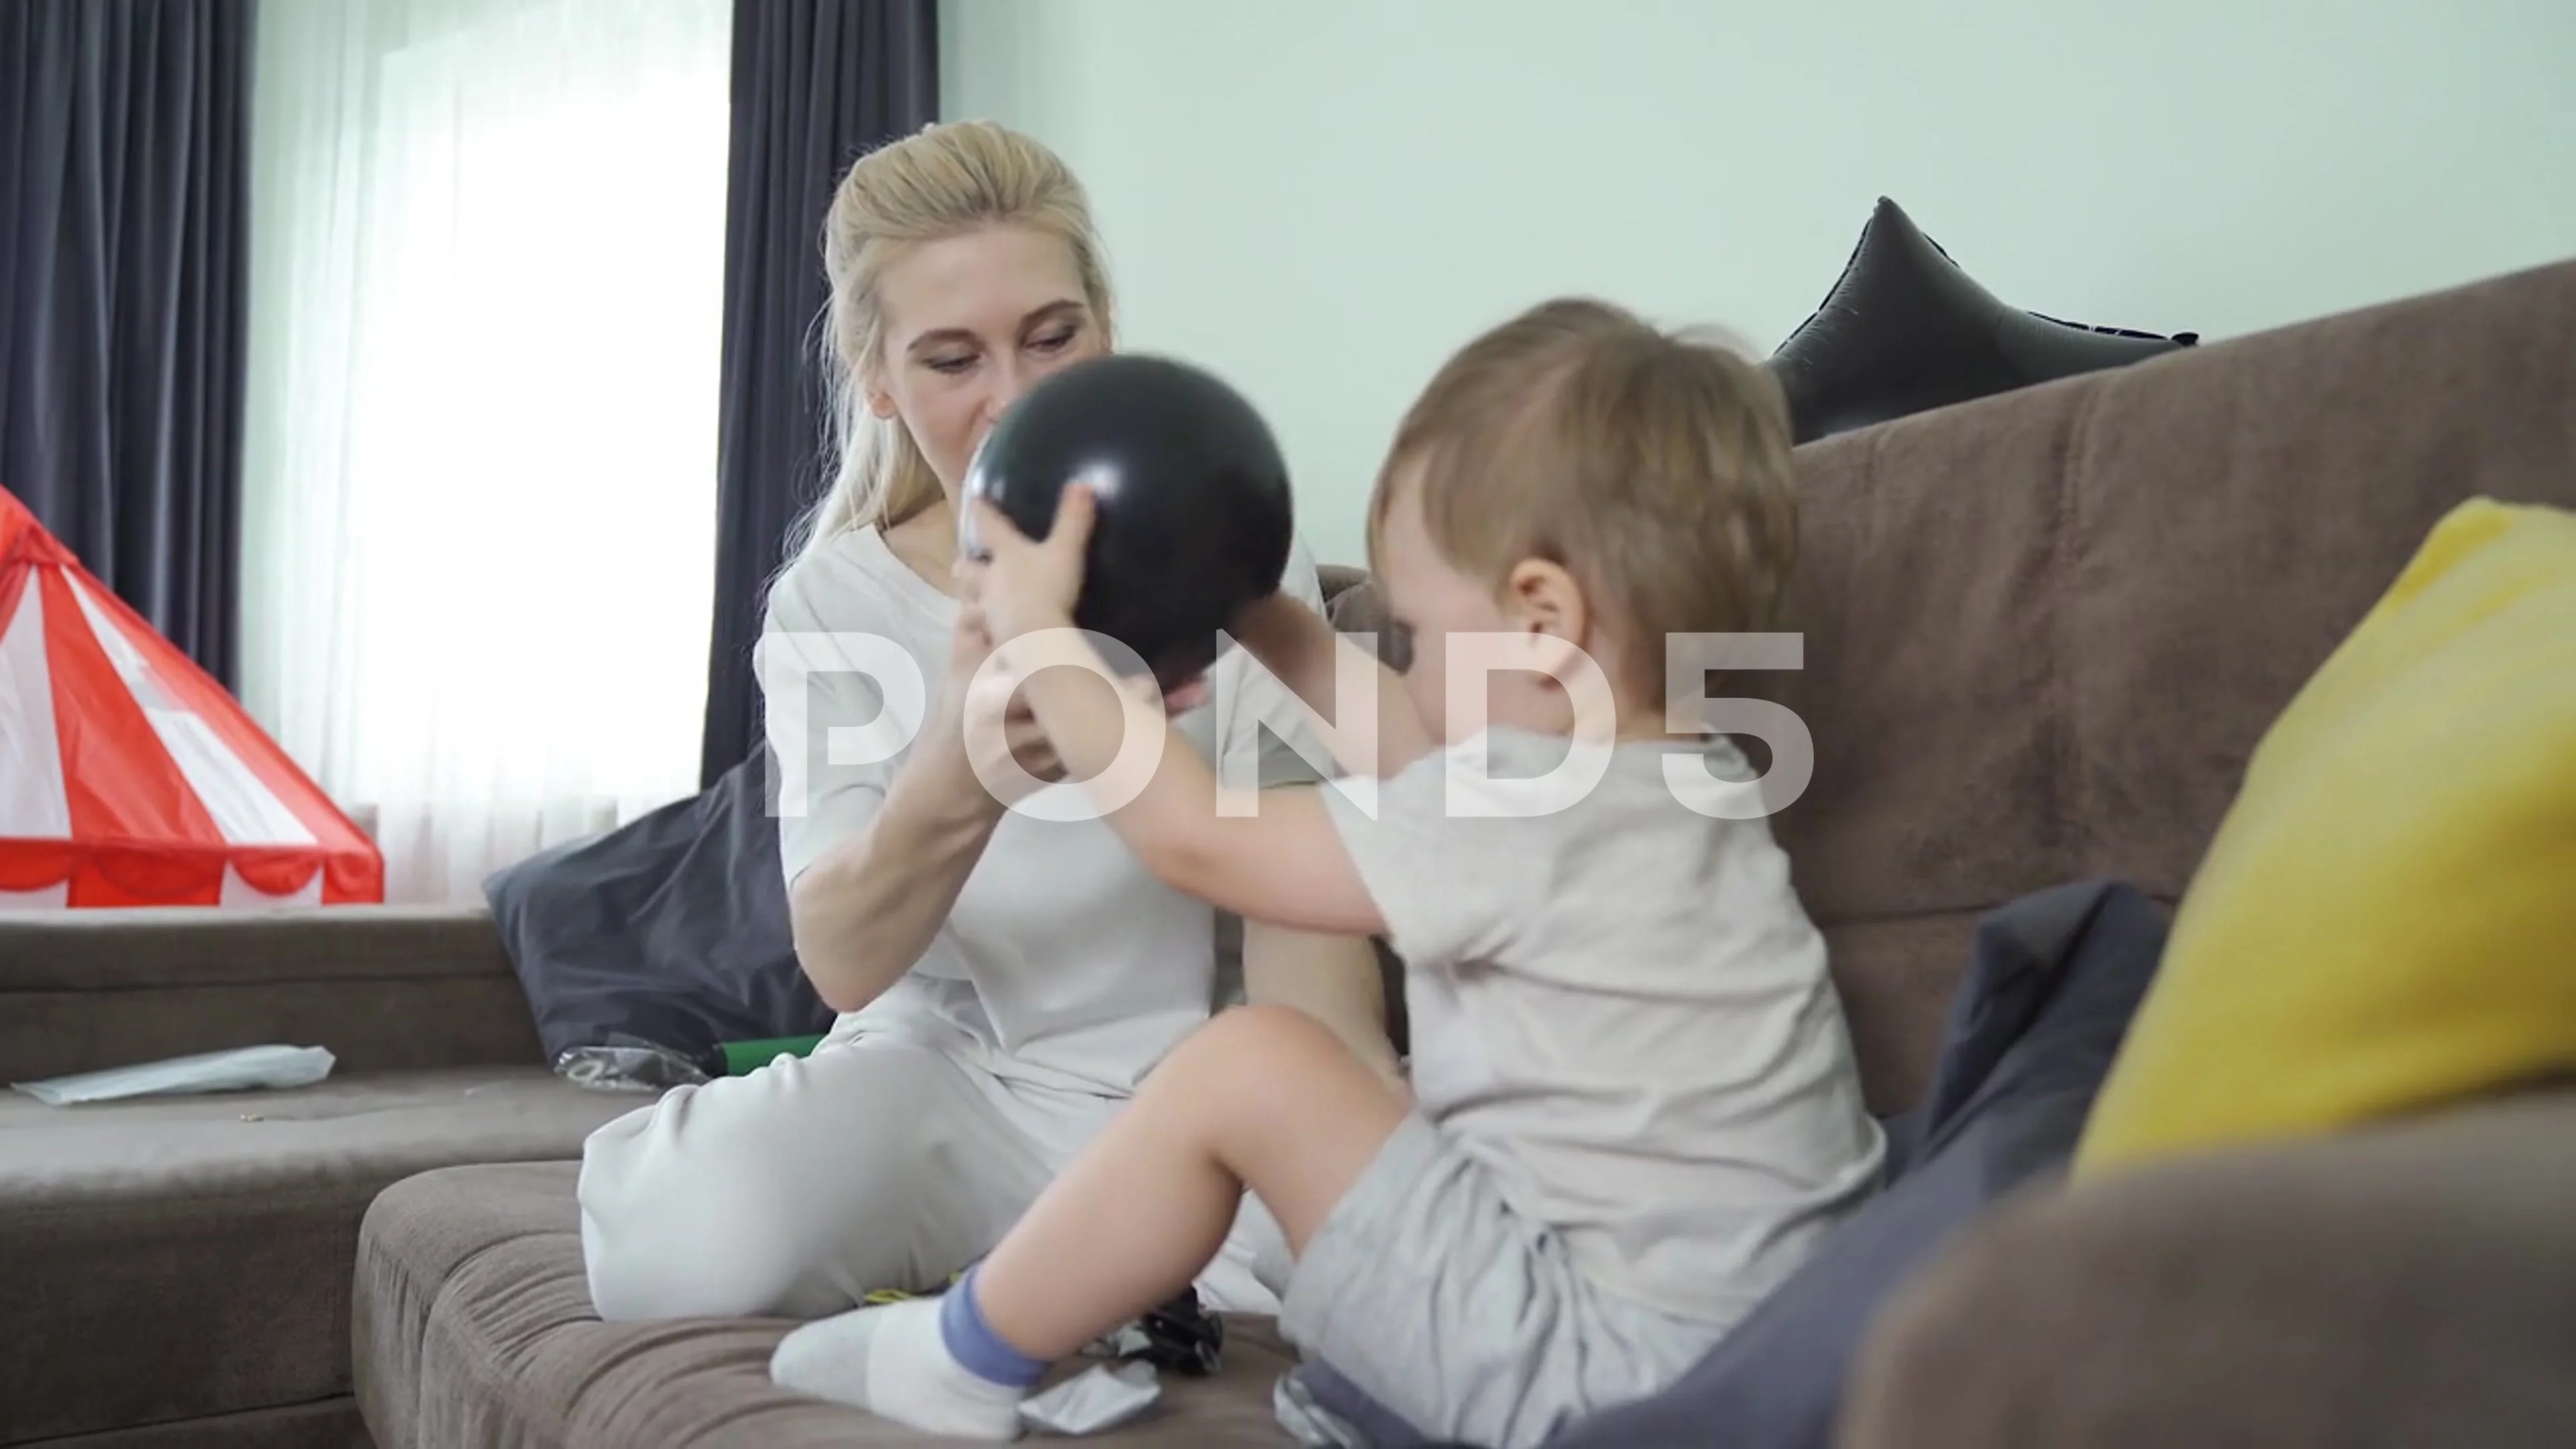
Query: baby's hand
[1024, 586]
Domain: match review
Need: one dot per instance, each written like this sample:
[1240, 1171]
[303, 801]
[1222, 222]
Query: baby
[1633, 1102]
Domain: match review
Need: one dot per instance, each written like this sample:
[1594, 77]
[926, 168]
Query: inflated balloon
[1194, 513]
[1905, 330]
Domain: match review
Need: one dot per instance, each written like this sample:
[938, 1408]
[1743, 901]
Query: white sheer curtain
[487, 252]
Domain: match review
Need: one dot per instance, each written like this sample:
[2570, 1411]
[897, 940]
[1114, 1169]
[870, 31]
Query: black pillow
[670, 932]
[2033, 1029]
[1905, 330]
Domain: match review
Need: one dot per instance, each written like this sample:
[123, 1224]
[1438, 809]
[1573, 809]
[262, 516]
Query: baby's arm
[1325, 669]
[1271, 855]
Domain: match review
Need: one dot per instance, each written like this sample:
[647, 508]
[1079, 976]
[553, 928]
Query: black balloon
[1905, 330]
[1194, 512]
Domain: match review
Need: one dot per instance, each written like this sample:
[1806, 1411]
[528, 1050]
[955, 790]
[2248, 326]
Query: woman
[1005, 979]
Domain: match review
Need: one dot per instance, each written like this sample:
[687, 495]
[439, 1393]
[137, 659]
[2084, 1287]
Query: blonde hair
[942, 181]
[1654, 467]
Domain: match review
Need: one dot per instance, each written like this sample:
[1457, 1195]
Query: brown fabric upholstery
[2222, 521]
[2398, 1288]
[2229, 523]
[385, 988]
[331, 1423]
[2044, 631]
[177, 1258]
[476, 1327]
[1927, 585]
[1335, 579]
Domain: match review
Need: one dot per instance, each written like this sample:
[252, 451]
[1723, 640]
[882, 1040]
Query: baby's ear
[1548, 599]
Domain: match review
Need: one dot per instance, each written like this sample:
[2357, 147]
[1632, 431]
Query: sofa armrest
[2404, 1285]
[385, 988]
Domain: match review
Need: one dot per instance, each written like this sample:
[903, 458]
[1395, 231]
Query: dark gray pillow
[2033, 1030]
[670, 931]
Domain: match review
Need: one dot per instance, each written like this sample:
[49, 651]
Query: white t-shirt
[1623, 1011]
[1065, 963]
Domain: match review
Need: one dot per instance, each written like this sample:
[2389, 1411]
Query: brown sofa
[2043, 632]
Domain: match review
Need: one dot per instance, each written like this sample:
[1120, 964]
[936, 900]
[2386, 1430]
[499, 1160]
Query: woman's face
[970, 323]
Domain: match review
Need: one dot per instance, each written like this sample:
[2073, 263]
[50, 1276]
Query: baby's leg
[1262, 1097]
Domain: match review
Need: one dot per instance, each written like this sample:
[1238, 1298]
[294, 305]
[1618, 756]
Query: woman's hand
[1186, 697]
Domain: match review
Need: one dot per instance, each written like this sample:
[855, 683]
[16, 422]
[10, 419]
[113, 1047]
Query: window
[480, 452]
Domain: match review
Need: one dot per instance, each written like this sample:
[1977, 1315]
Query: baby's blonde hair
[942, 181]
[1654, 467]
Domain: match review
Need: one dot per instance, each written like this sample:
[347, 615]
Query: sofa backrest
[2044, 631]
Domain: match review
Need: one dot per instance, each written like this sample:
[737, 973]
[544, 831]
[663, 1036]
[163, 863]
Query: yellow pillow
[2386, 920]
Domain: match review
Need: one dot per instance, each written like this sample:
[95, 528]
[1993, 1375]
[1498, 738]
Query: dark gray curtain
[816, 83]
[124, 178]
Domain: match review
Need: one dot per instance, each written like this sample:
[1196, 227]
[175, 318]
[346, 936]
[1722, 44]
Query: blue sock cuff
[972, 1342]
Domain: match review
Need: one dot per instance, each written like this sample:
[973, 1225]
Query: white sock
[892, 1362]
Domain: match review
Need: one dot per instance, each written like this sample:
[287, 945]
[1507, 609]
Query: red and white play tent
[128, 776]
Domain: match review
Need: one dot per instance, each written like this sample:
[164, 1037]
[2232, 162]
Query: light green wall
[1320, 199]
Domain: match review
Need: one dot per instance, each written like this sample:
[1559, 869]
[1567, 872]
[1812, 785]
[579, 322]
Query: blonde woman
[1005, 980]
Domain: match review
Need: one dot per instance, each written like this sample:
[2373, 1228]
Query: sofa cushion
[473, 1325]
[2407, 1285]
[1906, 329]
[668, 934]
[173, 1258]
[2384, 922]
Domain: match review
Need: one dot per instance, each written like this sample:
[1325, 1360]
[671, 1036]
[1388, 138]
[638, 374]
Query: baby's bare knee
[1268, 1030]
[1263, 1050]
